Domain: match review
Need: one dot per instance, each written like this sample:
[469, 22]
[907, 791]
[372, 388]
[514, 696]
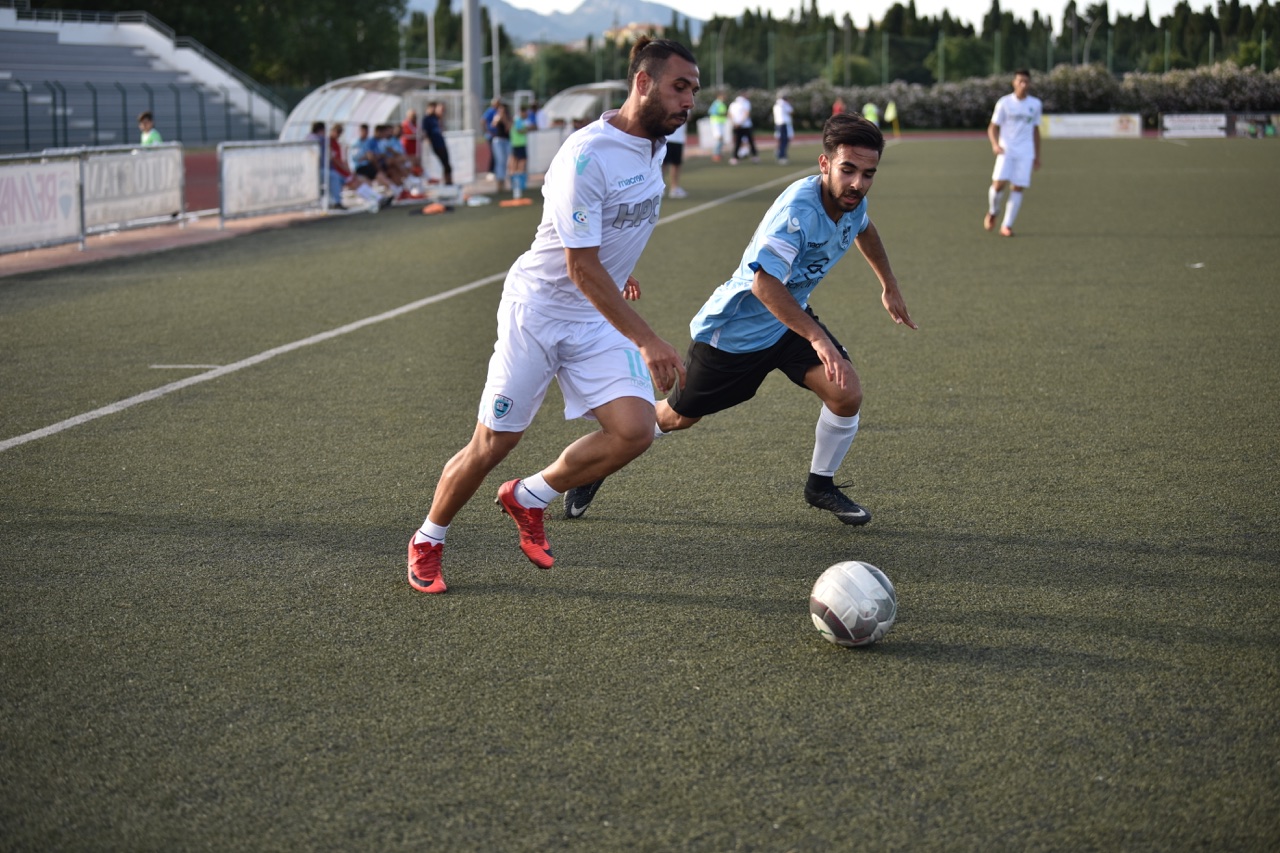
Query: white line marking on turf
[234, 367]
[184, 366]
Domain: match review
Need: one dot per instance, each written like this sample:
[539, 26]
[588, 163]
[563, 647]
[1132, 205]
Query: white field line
[266, 355]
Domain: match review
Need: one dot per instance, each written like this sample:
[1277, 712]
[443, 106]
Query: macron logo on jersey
[582, 163]
[623, 183]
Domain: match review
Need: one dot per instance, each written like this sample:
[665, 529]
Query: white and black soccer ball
[853, 604]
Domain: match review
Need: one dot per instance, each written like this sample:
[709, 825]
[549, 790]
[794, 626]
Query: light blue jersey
[796, 243]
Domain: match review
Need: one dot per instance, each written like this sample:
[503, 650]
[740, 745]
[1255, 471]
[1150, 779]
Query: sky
[864, 10]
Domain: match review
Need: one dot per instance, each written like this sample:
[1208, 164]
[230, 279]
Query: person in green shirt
[719, 115]
[520, 151]
[150, 136]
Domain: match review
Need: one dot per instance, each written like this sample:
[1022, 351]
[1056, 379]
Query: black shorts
[369, 170]
[675, 154]
[717, 380]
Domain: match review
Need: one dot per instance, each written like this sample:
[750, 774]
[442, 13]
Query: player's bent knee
[846, 408]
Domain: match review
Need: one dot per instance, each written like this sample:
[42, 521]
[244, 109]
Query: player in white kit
[1015, 140]
[564, 313]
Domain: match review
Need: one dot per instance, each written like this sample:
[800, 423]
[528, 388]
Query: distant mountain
[591, 18]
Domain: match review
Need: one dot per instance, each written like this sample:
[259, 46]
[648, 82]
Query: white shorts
[1016, 170]
[593, 362]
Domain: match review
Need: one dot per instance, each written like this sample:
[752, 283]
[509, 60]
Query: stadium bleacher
[57, 93]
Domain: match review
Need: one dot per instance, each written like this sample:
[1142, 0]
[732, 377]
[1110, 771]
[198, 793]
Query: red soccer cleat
[533, 538]
[424, 568]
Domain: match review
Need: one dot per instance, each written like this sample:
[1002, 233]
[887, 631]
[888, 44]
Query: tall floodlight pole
[497, 64]
[720, 55]
[472, 83]
[431, 47]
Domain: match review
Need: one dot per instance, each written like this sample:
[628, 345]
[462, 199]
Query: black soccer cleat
[834, 501]
[577, 499]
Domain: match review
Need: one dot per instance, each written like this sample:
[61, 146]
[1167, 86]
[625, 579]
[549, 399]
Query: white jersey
[604, 188]
[1018, 120]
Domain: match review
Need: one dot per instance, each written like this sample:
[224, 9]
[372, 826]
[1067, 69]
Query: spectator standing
[409, 135]
[782, 127]
[871, 113]
[486, 119]
[433, 133]
[837, 107]
[740, 118]
[147, 129]
[330, 180]
[520, 128]
[500, 131]
[719, 115]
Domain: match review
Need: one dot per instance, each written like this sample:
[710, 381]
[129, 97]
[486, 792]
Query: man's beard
[655, 119]
[840, 201]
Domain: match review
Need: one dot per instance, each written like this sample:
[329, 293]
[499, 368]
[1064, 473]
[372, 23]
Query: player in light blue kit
[759, 320]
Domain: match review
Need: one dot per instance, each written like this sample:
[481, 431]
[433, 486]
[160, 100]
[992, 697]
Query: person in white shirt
[564, 314]
[782, 127]
[740, 119]
[1015, 140]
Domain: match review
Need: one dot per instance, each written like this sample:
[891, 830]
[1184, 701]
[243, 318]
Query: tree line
[294, 46]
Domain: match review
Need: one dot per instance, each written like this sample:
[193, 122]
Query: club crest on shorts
[501, 405]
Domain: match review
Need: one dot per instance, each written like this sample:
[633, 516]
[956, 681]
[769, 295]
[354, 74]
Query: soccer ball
[853, 604]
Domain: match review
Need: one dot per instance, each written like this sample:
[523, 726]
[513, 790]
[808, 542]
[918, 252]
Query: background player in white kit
[760, 320]
[564, 313]
[1015, 140]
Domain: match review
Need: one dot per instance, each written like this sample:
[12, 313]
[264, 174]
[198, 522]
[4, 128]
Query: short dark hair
[852, 130]
[317, 127]
[145, 116]
[1023, 72]
[649, 55]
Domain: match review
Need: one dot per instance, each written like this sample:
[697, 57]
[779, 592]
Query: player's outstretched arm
[775, 296]
[663, 360]
[872, 248]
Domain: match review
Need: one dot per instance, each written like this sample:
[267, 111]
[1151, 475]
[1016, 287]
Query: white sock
[832, 438]
[993, 200]
[534, 493]
[657, 431]
[1011, 209]
[429, 532]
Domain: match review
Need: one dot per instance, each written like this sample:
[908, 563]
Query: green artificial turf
[208, 641]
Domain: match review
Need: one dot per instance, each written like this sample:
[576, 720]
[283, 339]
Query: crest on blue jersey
[501, 405]
[846, 236]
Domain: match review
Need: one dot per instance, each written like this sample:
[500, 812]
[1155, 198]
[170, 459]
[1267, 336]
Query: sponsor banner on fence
[1092, 126]
[1190, 125]
[267, 176]
[39, 203]
[123, 186]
